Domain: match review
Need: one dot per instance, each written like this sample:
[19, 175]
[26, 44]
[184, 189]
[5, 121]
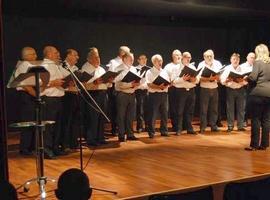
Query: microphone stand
[78, 85]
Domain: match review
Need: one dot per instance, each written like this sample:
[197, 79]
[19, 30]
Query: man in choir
[175, 64]
[248, 66]
[111, 90]
[142, 95]
[158, 96]
[185, 94]
[209, 91]
[235, 93]
[71, 108]
[52, 96]
[125, 98]
[98, 90]
[27, 101]
[118, 60]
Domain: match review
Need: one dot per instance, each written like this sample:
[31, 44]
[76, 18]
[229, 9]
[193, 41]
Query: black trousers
[260, 121]
[208, 103]
[112, 108]
[158, 103]
[53, 112]
[27, 113]
[95, 120]
[185, 107]
[70, 126]
[125, 114]
[235, 100]
[141, 108]
[172, 106]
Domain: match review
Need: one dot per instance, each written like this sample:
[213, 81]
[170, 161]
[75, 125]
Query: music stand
[79, 85]
[33, 77]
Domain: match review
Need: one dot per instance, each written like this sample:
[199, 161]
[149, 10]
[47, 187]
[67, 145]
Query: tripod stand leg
[42, 182]
[26, 184]
[103, 190]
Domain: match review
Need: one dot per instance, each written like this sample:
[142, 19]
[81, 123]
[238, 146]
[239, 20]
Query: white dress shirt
[98, 72]
[152, 74]
[122, 86]
[216, 66]
[172, 68]
[246, 67]
[179, 82]
[21, 68]
[55, 73]
[225, 74]
[114, 63]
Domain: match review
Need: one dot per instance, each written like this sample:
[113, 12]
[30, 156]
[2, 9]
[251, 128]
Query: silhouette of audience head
[73, 184]
[7, 191]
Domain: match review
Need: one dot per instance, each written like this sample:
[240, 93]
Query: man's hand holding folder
[161, 83]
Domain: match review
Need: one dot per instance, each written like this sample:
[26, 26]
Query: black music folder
[130, 76]
[160, 80]
[82, 76]
[108, 75]
[208, 72]
[234, 75]
[191, 72]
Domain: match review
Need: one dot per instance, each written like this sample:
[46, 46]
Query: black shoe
[241, 129]
[151, 135]
[48, 154]
[202, 131]
[59, 152]
[230, 129]
[165, 134]
[178, 133]
[121, 139]
[139, 130]
[251, 149]
[191, 132]
[92, 144]
[114, 133]
[26, 152]
[262, 148]
[214, 129]
[132, 138]
[219, 124]
[103, 142]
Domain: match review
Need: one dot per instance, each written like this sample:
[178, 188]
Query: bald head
[123, 50]
[51, 53]
[93, 57]
[157, 61]
[208, 56]
[251, 58]
[72, 56]
[186, 58]
[176, 56]
[28, 54]
[128, 58]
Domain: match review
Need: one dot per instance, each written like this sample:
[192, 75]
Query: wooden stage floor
[148, 166]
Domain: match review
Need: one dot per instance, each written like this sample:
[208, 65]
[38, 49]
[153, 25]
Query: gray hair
[209, 51]
[156, 57]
